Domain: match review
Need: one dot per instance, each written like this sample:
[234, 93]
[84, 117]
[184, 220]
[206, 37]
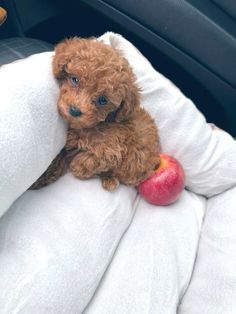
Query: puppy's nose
[74, 112]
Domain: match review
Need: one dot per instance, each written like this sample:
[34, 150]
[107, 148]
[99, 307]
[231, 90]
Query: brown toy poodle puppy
[109, 134]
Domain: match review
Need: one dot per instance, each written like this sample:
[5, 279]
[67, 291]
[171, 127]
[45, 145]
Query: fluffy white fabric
[56, 243]
[213, 286]
[31, 131]
[153, 264]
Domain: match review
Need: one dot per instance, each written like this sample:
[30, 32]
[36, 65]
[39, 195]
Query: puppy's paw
[110, 183]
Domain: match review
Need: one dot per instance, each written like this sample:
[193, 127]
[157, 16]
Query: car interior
[191, 42]
[74, 247]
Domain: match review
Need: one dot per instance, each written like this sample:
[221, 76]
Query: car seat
[15, 48]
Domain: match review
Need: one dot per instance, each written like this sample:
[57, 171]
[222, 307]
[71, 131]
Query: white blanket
[31, 132]
[73, 247]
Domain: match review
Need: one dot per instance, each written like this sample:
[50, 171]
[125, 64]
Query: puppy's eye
[101, 100]
[74, 80]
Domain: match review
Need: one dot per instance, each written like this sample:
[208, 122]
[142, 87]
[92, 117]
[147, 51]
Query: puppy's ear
[63, 55]
[130, 101]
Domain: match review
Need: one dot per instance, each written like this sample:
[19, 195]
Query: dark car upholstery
[12, 49]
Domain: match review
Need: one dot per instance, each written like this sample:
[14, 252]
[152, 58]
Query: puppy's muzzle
[74, 112]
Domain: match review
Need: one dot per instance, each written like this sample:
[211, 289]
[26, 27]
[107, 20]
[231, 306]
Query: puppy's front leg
[84, 165]
[72, 140]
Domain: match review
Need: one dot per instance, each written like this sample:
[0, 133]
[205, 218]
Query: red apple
[166, 184]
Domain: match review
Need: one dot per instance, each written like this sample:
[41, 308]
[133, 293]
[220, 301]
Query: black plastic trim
[213, 81]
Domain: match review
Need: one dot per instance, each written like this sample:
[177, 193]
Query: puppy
[109, 134]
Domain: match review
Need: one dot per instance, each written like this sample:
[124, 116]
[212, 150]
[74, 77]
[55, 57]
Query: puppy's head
[95, 81]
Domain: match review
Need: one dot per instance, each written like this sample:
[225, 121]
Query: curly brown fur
[56, 169]
[125, 150]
